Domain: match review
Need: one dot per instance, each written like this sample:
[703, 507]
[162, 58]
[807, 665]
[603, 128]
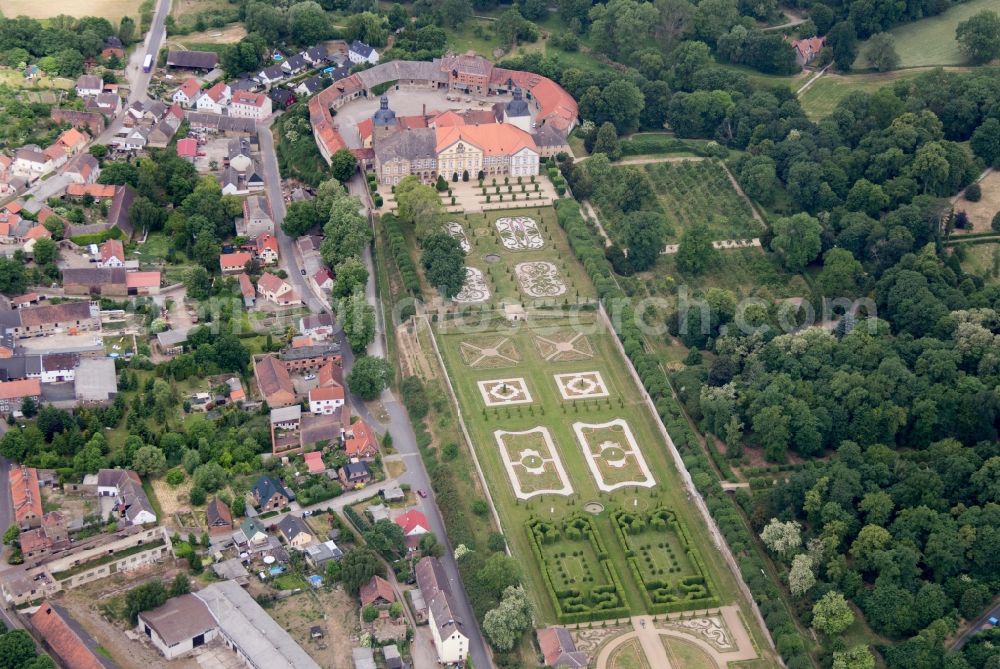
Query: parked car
[422, 493]
[310, 377]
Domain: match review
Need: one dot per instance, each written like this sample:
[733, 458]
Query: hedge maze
[669, 571]
[579, 577]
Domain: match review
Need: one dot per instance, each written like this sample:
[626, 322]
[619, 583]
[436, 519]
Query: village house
[273, 381]
[377, 592]
[247, 290]
[187, 148]
[305, 355]
[250, 534]
[447, 629]
[326, 400]
[26, 496]
[807, 50]
[362, 53]
[323, 279]
[69, 317]
[187, 93]
[131, 502]
[30, 163]
[246, 104]
[234, 263]
[113, 47]
[72, 141]
[267, 249]
[316, 326]
[218, 517]
[359, 440]
[112, 254]
[270, 75]
[84, 169]
[275, 289]
[311, 86]
[14, 393]
[215, 99]
[294, 64]
[314, 462]
[89, 85]
[91, 121]
[295, 532]
[269, 495]
[354, 475]
[559, 649]
[257, 219]
[413, 523]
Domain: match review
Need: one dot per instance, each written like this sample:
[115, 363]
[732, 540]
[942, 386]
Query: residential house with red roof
[274, 382]
[314, 462]
[326, 400]
[275, 289]
[377, 592]
[64, 638]
[187, 93]
[72, 141]
[359, 440]
[413, 523]
[215, 99]
[25, 493]
[807, 50]
[112, 254]
[250, 105]
[247, 290]
[233, 263]
[13, 393]
[267, 249]
[187, 148]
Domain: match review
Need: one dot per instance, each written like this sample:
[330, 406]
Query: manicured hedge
[569, 604]
[401, 254]
[589, 250]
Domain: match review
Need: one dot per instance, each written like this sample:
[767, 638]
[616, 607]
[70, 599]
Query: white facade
[524, 163]
[58, 375]
[207, 105]
[324, 406]
[244, 108]
[451, 649]
[178, 649]
[356, 57]
[32, 169]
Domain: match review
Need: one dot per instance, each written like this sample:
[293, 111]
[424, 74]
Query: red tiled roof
[270, 283]
[234, 260]
[331, 374]
[112, 248]
[413, 520]
[34, 540]
[267, 241]
[314, 461]
[24, 490]
[248, 98]
[375, 589]
[246, 286]
[187, 147]
[10, 390]
[358, 439]
[327, 393]
[73, 651]
[494, 139]
[190, 88]
[94, 190]
[142, 280]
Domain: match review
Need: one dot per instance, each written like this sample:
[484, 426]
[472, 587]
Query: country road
[404, 440]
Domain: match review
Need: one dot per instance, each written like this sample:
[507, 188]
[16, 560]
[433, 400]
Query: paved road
[976, 627]
[403, 438]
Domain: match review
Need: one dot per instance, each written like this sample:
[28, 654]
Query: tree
[386, 537]
[397, 17]
[454, 13]
[880, 52]
[800, 576]
[308, 23]
[840, 276]
[198, 283]
[642, 233]
[300, 218]
[369, 376]
[781, 538]
[180, 586]
[499, 573]
[45, 251]
[695, 251]
[350, 274]
[346, 232]
[843, 41]
[358, 566]
[621, 104]
[357, 319]
[29, 406]
[796, 240]
[146, 215]
[979, 36]
[343, 165]
[831, 614]
[511, 27]
[505, 624]
[143, 598]
[126, 30]
[369, 28]
[855, 657]
[149, 461]
[210, 476]
[17, 649]
[985, 141]
[419, 206]
[607, 142]
[444, 263]
[871, 541]
[867, 197]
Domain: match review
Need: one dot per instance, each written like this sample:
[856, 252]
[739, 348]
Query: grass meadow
[537, 364]
[931, 41]
[820, 99]
[113, 10]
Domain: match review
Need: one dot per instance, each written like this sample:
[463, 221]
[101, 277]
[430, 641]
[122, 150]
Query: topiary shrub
[973, 193]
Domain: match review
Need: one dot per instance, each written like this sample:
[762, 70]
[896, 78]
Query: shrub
[973, 193]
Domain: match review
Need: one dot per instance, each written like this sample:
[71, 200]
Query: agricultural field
[517, 256]
[562, 464]
[700, 190]
[931, 41]
[822, 97]
[113, 10]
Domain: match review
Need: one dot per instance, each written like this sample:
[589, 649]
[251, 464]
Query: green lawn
[686, 654]
[983, 260]
[540, 356]
[820, 99]
[749, 272]
[931, 41]
[628, 656]
[289, 581]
